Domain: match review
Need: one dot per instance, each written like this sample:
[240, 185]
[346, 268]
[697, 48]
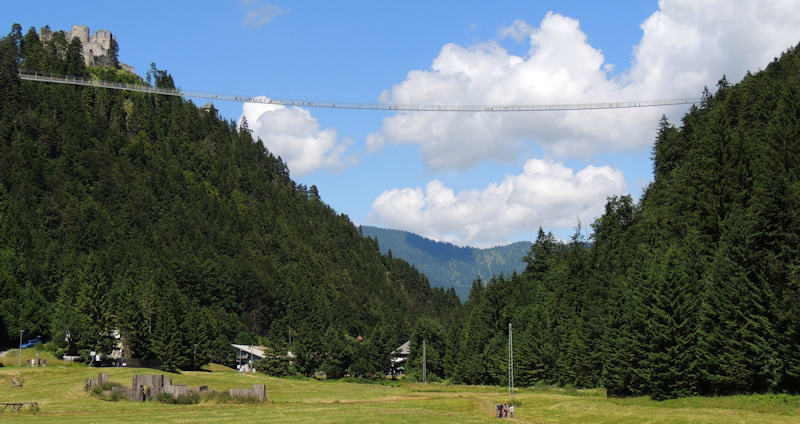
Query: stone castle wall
[94, 45]
[97, 44]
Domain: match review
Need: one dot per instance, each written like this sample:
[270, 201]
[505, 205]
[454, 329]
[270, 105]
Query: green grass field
[59, 391]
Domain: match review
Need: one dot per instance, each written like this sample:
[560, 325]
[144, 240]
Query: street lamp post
[194, 361]
[424, 364]
[19, 364]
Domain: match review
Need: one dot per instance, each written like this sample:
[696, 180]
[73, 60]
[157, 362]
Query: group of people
[504, 411]
[37, 362]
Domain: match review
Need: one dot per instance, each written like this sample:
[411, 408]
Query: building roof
[257, 351]
[251, 349]
[402, 353]
[404, 349]
[209, 107]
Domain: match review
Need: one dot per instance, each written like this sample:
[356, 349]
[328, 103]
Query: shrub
[105, 391]
[117, 396]
[433, 378]
[212, 397]
[276, 366]
[104, 387]
[225, 398]
[51, 347]
[165, 398]
[185, 399]
[188, 399]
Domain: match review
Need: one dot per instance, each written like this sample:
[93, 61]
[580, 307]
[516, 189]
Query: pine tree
[94, 307]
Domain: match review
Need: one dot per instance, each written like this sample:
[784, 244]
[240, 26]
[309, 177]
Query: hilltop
[447, 265]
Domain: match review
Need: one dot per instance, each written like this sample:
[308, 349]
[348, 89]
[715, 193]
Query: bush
[212, 397]
[225, 398]
[105, 387]
[51, 347]
[185, 399]
[117, 396]
[165, 398]
[276, 366]
[433, 378]
[105, 391]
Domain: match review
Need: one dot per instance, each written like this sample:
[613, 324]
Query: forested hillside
[143, 213]
[693, 291]
[447, 265]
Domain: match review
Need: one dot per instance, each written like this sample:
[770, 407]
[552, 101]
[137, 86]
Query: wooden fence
[149, 386]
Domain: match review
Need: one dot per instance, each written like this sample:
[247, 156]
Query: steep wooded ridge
[694, 291]
[447, 265]
[144, 213]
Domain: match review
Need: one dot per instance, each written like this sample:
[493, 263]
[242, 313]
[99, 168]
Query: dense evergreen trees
[691, 292]
[142, 213]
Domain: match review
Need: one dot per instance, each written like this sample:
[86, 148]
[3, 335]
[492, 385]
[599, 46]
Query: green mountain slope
[447, 265]
[693, 291]
[143, 213]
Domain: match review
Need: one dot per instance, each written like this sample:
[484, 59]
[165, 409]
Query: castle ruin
[96, 47]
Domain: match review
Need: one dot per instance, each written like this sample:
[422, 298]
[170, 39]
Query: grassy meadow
[59, 391]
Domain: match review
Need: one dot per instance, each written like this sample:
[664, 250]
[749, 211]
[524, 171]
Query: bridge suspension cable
[144, 88]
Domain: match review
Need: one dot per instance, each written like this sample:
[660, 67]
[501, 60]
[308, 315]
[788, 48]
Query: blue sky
[469, 178]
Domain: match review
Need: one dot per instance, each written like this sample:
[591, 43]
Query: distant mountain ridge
[447, 265]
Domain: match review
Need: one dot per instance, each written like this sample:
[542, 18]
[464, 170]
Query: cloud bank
[685, 46]
[546, 193]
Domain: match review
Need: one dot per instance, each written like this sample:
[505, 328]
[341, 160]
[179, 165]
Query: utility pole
[194, 361]
[510, 363]
[19, 364]
[424, 364]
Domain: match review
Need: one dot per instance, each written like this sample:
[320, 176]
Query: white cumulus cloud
[686, 45]
[546, 193]
[295, 135]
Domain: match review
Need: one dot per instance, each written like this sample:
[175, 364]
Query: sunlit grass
[59, 391]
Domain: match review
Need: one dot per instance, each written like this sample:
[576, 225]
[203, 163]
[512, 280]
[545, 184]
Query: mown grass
[59, 391]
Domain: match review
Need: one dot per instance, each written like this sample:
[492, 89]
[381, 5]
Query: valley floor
[58, 389]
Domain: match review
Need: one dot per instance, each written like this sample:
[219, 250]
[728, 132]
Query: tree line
[692, 290]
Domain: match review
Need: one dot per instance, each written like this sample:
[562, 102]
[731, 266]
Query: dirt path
[4, 353]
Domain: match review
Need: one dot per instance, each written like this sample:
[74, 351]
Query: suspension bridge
[144, 88]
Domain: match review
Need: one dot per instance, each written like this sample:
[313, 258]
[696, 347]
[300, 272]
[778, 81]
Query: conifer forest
[145, 214]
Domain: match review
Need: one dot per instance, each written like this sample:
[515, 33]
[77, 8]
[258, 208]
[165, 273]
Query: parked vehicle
[31, 343]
